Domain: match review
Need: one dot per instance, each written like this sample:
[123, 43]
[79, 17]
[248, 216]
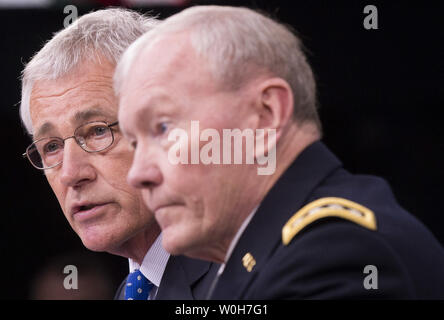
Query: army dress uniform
[321, 232]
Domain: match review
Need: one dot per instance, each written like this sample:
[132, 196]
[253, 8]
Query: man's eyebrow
[86, 115]
[43, 130]
[79, 117]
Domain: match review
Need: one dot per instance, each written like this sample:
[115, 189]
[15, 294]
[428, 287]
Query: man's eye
[162, 127]
[99, 130]
[52, 147]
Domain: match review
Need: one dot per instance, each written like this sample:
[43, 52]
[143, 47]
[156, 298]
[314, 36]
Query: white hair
[105, 33]
[238, 44]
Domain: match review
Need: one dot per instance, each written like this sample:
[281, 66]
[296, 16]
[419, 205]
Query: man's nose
[144, 173]
[76, 169]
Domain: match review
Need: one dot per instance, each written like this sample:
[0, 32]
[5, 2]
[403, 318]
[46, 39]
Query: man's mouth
[87, 210]
[86, 207]
[160, 207]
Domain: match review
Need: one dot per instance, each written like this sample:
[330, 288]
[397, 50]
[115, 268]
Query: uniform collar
[285, 198]
[236, 239]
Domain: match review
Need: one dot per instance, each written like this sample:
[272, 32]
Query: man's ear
[275, 110]
[275, 104]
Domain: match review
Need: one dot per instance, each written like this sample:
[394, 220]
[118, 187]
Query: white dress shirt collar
[154, 262]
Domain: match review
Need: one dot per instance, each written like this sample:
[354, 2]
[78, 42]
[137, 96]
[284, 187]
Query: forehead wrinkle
[80, 115]
[74, 86]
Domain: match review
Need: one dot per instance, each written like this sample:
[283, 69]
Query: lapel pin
[248, 261]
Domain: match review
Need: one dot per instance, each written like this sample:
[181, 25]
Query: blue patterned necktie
[137, 286]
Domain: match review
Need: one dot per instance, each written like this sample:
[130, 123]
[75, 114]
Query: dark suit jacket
[327, 259]
[183, 279]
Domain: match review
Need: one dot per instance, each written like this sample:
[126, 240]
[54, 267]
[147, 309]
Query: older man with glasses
[69, 108]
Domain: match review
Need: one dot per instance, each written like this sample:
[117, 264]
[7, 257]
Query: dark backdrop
[380, 93]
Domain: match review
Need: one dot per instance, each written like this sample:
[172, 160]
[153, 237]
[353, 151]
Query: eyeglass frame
[26, 154]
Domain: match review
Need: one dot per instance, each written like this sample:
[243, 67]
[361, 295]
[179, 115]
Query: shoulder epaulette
[328, 207]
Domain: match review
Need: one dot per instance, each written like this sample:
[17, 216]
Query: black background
[380, 93]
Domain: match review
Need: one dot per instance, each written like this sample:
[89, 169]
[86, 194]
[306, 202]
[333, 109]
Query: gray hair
[105, 33]
[238, 44]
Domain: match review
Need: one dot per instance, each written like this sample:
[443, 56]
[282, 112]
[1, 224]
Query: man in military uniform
[306, 228]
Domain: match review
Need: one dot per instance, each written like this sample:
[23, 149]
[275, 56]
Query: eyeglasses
[92, 137]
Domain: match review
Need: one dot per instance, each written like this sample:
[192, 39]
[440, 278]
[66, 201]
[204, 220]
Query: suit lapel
[120, 293]
[262, 235]
[185, 279]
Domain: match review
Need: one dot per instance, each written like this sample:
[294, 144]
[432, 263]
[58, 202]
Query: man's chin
[96, 246]
[98, 241]
[176, 245]
[172, 244]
